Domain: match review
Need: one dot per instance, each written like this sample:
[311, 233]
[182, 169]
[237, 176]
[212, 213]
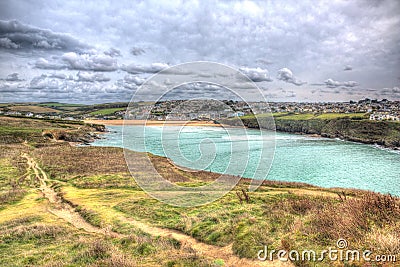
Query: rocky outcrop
[97, 127]
[84, 134]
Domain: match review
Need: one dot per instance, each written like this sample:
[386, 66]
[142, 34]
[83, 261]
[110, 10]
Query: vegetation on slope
[352, 127]
[34, 109]
[31, 234]
[96, 182]
[17, 130]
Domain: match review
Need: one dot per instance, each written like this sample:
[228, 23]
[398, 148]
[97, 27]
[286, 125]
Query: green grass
[221, 222]
[279, 114]
[119, 180]
[33, 109]
[9, 130]
[106, 111]
[11, 183]
[32, 236]
[90, 216]
[301, 116]
[56, 104]
[250, 116]
[9, 134]
[323, 116]
[95, 181]
[352, 116]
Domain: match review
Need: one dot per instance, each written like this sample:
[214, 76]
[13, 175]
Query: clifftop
[383, 133]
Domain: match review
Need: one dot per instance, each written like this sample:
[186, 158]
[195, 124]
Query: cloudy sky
[101, 51]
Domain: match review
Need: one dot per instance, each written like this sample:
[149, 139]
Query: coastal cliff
[370, 132]
[17, 130]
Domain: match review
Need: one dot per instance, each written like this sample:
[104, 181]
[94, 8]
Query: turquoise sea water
[297, 158]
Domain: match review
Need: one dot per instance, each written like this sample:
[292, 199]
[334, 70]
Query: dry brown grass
[8, 151]
[13, 122]
[353, 218]
[64, 161]
[34, 109]
[17, 130]
[117, 260]
[33, 231]
[385, 241]
[11, 196]
[282, 184]
[287, 215]
[176, 174]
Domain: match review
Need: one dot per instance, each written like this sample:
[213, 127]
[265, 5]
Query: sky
[102, 51]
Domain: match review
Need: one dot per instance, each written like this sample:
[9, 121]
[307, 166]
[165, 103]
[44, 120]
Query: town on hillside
[198, 109]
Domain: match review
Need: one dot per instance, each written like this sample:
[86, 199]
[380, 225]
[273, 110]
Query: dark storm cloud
[7, 43]
[16, 35]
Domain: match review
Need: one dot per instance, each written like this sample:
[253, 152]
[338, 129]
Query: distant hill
[33, 109]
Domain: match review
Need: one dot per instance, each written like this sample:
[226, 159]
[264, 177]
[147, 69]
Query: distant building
[384, 116]
[237, 114]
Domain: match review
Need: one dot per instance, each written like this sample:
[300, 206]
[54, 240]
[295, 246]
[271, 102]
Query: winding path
[67, 212]
[205, 250]
[60, 208]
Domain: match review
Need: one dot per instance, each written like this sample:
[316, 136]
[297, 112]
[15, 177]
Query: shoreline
[282, 182]
[120, 122]
[275, 183]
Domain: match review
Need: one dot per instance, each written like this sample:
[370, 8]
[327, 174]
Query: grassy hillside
[33, 109]
[43, 182]
[65, 109]
[32, 229]
[57, 104]
[17, 130]
[309, 116]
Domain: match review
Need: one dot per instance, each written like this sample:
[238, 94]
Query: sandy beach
[153, 123]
